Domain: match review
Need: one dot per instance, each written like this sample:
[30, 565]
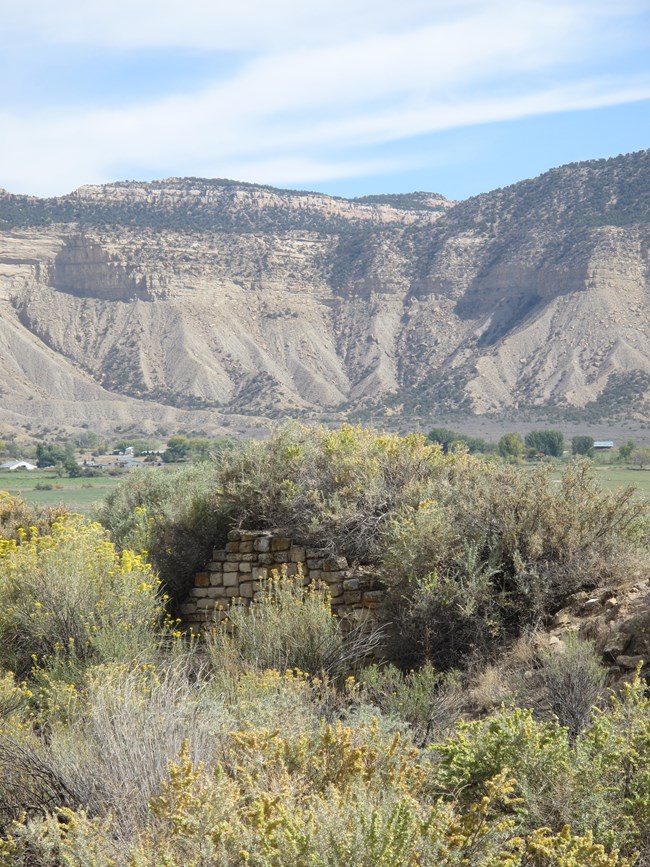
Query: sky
[349, 97]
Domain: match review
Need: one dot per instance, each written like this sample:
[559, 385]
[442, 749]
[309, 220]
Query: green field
[79, 495]
[618, 477]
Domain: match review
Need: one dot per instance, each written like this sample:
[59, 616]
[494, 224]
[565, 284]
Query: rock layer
[190, 299]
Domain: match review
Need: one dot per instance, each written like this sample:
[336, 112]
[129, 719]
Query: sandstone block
[373, 596]
[352, 597]
[245, 547]
[279, 544]
[202, 604]
[335, 590]
[214, 566]
[265, 559]
[617, 643]
[216, 580]
[315, 563]
[352, 584]
[234, 536]
[232, 547]
[262, 544]
[231, 592]
[245, 567]
[216, 592]
[219, 555]
[248, 558]
[198, 592]
[628, 662]
[246, 590]
[260, 573]
[202, 579]
[335, 564]
[230, 579]
[298, 554]
[280, 557]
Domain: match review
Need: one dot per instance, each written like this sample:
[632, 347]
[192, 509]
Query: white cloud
[374, 81]
[206, 24]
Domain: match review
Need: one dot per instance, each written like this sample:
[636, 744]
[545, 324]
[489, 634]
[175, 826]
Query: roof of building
[17, 465]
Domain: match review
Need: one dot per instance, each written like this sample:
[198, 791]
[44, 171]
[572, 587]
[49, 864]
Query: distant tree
[138, 445]
[177, 449]
[641, 457]
[52, 454]
[625, 450]
[71, 467]
[200, 448]
[582, 445]
[87, 440]
[443, 436]
[448, 438]
[548, 442]
[510, 445]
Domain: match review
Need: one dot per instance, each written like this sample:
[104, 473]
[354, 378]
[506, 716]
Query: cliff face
[191, 300]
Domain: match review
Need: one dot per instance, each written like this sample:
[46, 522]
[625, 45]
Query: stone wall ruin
[236, 574]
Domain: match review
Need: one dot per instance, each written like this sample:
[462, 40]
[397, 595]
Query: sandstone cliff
[186, 301]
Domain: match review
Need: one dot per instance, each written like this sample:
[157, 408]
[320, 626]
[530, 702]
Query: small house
[18, 465]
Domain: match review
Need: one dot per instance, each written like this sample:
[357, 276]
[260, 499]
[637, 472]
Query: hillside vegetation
[269, 743]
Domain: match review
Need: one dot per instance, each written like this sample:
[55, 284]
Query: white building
[18, 465]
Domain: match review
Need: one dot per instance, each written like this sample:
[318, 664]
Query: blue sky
[346, 96]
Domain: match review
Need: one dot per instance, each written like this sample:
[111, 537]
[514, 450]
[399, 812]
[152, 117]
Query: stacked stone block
[235, 575]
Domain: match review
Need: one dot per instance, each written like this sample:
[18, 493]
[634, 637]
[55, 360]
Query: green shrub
[497, 548]
[291, 626]
[573, 681]
[336, 489]
[173, 516]
[430, 702]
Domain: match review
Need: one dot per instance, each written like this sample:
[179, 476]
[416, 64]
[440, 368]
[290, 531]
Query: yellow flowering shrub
[204, 818]
[71, 592]
[18, 516]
